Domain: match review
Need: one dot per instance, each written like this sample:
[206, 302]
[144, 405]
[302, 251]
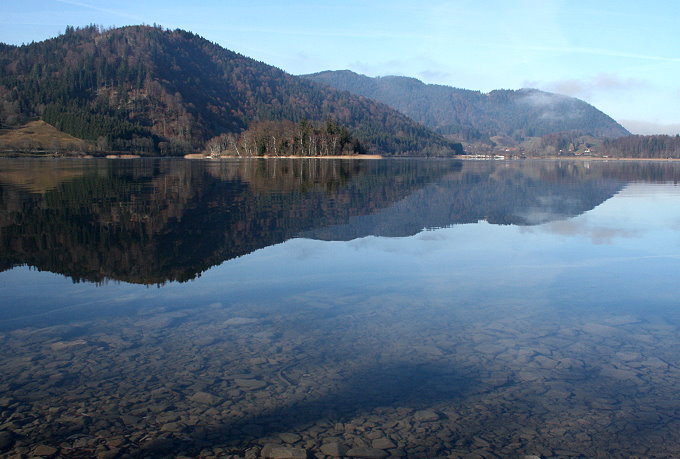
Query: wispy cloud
[596, 52]
[103, 10]
[430, 70]
[435, 76]
[586, 87]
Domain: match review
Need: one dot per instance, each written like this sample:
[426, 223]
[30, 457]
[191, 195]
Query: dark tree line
[285, 138]
[643, 146]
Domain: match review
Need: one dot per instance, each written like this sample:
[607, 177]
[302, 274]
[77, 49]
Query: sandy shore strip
[202, 156]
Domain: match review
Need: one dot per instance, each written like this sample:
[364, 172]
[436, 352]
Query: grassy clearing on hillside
[38, 136]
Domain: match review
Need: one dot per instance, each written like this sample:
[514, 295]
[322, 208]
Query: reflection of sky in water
[536, 338]
[621, 254]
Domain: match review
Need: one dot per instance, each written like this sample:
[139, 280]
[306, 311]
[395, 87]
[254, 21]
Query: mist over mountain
[150, 90]
[476, 116]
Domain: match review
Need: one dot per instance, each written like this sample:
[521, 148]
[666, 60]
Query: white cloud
[584, 88]
[649, 128]
[432, 71]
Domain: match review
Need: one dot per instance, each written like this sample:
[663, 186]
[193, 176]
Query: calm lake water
[311, 308]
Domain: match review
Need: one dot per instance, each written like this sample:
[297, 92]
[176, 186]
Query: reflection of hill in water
[156, 221]
[517, 193]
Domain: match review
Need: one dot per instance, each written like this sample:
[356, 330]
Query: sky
[621, 56]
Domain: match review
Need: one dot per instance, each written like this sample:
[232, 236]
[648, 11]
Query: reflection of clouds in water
[539, 216]
[304, 249]
[599, 235]
[434, 235]
[361, 243]
[549, 267]
[389, 245]
[550, 208]
[676, 227]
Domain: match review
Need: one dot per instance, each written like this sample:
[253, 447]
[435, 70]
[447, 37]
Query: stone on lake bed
[6, 440]
[289, 437]
[333, 448]
[252, 452]
[599, 329]
[109, 454]
[173, 427]
[283, 452]
[61, 345]
[366, 453]
[129, 420]
[426, 415]
[205, 398]
[383, 443]
[158, 445]
[250, 384]
[239, 321]
[44, 451]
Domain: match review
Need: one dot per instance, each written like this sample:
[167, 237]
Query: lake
[324, 308]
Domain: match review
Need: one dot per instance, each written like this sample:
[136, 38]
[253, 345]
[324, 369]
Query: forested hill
[156, 91]
[475, 116]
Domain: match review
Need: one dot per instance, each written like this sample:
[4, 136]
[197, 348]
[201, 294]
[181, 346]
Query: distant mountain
[159, 91]
[473, 115]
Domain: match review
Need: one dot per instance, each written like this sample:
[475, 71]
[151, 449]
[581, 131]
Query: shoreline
[202, 156]
[601, 158]
[565, 158]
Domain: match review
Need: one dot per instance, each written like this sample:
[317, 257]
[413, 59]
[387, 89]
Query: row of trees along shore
[643, 146]
[286, 138]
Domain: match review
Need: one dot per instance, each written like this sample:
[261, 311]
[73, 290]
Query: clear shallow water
[414, 308]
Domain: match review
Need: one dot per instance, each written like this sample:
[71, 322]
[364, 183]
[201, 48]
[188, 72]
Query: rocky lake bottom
[343, 378]
[320, 309]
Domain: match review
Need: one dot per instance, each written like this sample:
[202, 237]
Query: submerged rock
[366, 453]
[283, 452]
[250, 384]
[205, 398]
[158, 445]
[6, 440]
[333, 448]
[44, 451]
[290, 437]
[426, 415]
[383, 443]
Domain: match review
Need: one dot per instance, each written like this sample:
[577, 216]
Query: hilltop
[156, 91]
[473, 116]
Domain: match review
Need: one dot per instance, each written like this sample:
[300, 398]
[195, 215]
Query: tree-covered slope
[159, 91]
[473, 115]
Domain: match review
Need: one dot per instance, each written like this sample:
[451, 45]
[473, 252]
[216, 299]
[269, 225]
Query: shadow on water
[400, 389]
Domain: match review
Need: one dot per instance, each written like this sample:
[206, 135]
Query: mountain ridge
[472, 115]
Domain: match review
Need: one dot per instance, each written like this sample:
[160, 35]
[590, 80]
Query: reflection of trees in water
[154, 221]
[517, 193]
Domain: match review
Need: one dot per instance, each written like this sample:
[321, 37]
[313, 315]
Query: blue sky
[621, 56]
